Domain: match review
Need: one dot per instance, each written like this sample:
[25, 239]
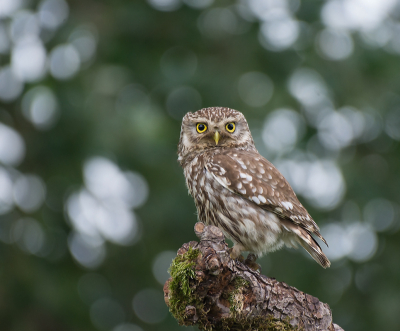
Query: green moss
[182, 273]
[182, 294]
[235, 298]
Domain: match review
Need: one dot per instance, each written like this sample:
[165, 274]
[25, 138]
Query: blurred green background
[93, 204]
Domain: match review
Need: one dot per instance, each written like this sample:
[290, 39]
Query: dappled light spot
[380, 213]
[161, 265]
[40, 107]
[356, 241]
[255, 88]
[106, 313]
[356, 14]
[182, 100]
[178, 63]
[216, 23]
[106, 181]
[392, 124]
[64, 61]
[149, 306]
[29, 235]
[4, 39]
[198, 4]
[53, 13]
[24, 26]
[102, 210]
[165, 5]
[29, 192]
[92, 287]
[84, 39]
[10, 85]
[335, 45]
[283, 129]
[29, 60]
[279, 34]
[127, 327]
[320, 181]
[364, 242]
[6, 188]
[12, 146]
[340, 245]
[88, 251]
[308, 87]
[8, 7]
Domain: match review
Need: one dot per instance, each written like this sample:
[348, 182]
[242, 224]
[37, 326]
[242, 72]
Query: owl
[238, 190]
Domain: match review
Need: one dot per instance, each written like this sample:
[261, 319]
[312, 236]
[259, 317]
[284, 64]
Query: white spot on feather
[242, 175]
[239, 185]
[249, 178]
[288, 205]
[256, 200]
[262, 199]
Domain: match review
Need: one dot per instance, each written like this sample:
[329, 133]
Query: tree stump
[209, 289]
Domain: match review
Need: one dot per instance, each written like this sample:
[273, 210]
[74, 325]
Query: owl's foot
[251, 262]
[236, 252]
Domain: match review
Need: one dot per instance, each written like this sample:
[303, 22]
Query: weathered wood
[209, 289]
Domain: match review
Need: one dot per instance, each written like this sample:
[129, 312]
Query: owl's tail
[312, 247]
[306, 240]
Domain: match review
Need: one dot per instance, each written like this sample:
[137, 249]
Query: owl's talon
[233, 253]
[251, 262]
[241, 258]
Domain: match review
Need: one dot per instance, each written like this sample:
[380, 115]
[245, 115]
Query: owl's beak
[216, 137]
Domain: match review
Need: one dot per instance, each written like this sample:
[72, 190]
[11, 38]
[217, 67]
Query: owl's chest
[204, 189]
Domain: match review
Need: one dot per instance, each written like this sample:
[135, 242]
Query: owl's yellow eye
[230, 127]
[201, 127]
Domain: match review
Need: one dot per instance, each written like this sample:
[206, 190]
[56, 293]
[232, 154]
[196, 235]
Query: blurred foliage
[98, 144]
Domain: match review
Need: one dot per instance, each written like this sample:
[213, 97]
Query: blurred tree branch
[209, 289]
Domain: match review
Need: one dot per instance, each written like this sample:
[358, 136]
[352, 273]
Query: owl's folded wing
[251, 176]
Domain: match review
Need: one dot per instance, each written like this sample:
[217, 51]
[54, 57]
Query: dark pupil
[230, 126]
[201, 127]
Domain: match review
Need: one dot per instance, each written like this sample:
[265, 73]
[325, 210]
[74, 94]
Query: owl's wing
[251, 176]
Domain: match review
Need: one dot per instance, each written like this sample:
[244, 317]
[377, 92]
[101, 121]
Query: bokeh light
[149, 306]
[91, 99]
[64, 61]
[28, 234]
[12, 146]
[283, 128]
[165, 5]
[29, 192]
[40, 107]
[335, 45]
[161, 265]
[10, 85]
[52, 13]
[182, 100]
[255, 88]
[106, 314]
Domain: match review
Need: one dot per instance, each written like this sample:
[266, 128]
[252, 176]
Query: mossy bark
[209, 289]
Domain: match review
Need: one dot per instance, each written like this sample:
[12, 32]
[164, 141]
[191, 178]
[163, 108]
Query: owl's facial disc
[211, 128]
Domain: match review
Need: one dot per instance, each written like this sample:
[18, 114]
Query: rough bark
[209, 289]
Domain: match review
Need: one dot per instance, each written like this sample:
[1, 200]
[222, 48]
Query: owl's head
[211, 128]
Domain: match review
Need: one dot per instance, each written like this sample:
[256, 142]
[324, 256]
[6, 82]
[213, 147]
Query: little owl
[239, 191]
